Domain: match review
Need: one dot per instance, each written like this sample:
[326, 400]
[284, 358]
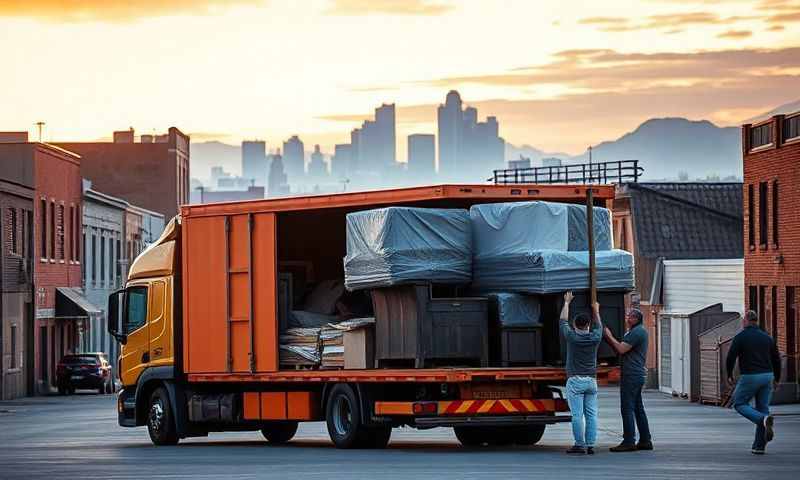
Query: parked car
[85, 371]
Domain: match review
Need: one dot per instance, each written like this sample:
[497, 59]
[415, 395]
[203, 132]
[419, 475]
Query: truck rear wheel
[160, 419]
[279, 432]
[528, 435]
[343, 417]
[471, 436]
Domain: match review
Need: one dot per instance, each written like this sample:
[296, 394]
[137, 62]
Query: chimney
[13, 137]
[124, 136]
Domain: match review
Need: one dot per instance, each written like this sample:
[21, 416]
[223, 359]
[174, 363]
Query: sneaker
[589, 450]
[624, 447]
[577, 450]
[769, 423]
[757, 451]
[644, 446]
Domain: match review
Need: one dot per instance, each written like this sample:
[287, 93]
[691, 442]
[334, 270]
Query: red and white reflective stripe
[496, 407]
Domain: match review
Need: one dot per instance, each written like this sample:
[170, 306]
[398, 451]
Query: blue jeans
[758, 386]
[632, 410]
[582, 399]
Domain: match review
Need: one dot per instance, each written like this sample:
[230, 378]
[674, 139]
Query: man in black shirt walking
[760, 367]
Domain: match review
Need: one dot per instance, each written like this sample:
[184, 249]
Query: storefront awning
[70, 303]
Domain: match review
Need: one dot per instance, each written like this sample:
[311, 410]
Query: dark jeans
[632, 409]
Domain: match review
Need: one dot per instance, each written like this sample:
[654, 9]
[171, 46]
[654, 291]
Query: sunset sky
[558, 75]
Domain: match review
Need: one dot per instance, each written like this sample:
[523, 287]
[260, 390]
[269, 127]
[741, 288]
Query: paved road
[77, 437]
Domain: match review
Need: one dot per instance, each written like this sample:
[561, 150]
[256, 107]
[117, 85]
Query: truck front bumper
[126, 407]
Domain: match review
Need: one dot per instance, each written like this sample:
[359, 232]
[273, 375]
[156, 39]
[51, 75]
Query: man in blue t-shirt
[633, 349]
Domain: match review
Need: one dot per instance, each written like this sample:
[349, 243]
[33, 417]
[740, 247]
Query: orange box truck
[199, 328]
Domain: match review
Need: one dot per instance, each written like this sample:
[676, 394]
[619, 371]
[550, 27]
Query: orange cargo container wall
[229, 273]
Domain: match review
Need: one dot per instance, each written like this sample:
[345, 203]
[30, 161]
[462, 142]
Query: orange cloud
[388, 7]
[113, 10]
[674, 22]
[735, 34]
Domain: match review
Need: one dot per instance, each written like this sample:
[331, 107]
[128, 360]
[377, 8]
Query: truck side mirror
[116, 316]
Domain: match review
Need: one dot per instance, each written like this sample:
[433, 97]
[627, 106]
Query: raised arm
[620, 347]
[564, 320]
[597, 322]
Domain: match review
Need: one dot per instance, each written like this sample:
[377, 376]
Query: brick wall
[769, 263]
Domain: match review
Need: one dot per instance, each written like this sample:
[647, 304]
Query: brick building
[60, 310]
[771, 151]
[16, 279]
[152, 174]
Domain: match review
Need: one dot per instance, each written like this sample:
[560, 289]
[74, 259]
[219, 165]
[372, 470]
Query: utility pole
[40, 125]
[344, 181]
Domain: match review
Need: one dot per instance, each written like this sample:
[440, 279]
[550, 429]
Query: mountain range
[665, 147]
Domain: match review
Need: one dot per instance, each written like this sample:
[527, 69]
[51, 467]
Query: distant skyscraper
[422, 156]
[450, 120]
[317, 169]
[277, 184]
[374, 144]
[468, 149]
[294, 159]
[254, 161]
[341, 161]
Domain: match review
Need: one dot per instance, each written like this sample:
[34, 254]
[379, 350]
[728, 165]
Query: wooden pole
[590, 228]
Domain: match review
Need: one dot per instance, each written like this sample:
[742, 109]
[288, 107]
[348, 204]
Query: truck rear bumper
[496, 421]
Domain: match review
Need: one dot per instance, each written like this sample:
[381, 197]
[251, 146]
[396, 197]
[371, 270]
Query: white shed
[689, 286]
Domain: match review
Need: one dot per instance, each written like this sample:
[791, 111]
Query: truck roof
[376, 198]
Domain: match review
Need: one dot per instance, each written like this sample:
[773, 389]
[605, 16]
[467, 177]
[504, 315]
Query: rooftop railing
[603, 172]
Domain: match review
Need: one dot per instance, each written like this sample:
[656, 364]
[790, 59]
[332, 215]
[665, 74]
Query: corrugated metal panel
[690, 285]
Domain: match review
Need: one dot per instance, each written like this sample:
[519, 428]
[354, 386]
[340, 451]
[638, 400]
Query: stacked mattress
[397, 245]
[541, 247]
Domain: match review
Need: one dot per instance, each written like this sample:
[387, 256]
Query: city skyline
[589, 73]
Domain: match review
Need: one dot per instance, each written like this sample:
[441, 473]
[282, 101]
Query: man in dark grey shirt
[633, 349]
[582, 344]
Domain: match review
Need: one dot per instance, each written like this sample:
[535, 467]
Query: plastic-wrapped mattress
[552, 271]
[516, 310]
[503, 228]
[399, 245]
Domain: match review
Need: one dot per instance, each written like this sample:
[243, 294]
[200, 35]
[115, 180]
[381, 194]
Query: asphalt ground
[78, 437]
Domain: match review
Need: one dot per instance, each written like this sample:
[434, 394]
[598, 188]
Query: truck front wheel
[279, 432]
[160, 419]
[343, 417]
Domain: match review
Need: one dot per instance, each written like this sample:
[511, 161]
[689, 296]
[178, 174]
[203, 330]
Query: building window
[762, 214]
[53, 230]
[118, 262]
[751, 219]
[753, 294]
[84, 263]
[775, 313]
[775, 223]
[761, 135]
[43, 232]
[12, 233]
[72, 230]
[102, 258]
[61, 233]
[791, 127]
[14, 354]
[762, 297]
[94, 258]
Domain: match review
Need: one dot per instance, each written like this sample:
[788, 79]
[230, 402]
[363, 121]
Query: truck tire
[279, 432]
[343, 417]
[528, 435]
[471, 436]
[379, 437]
[160, 419]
